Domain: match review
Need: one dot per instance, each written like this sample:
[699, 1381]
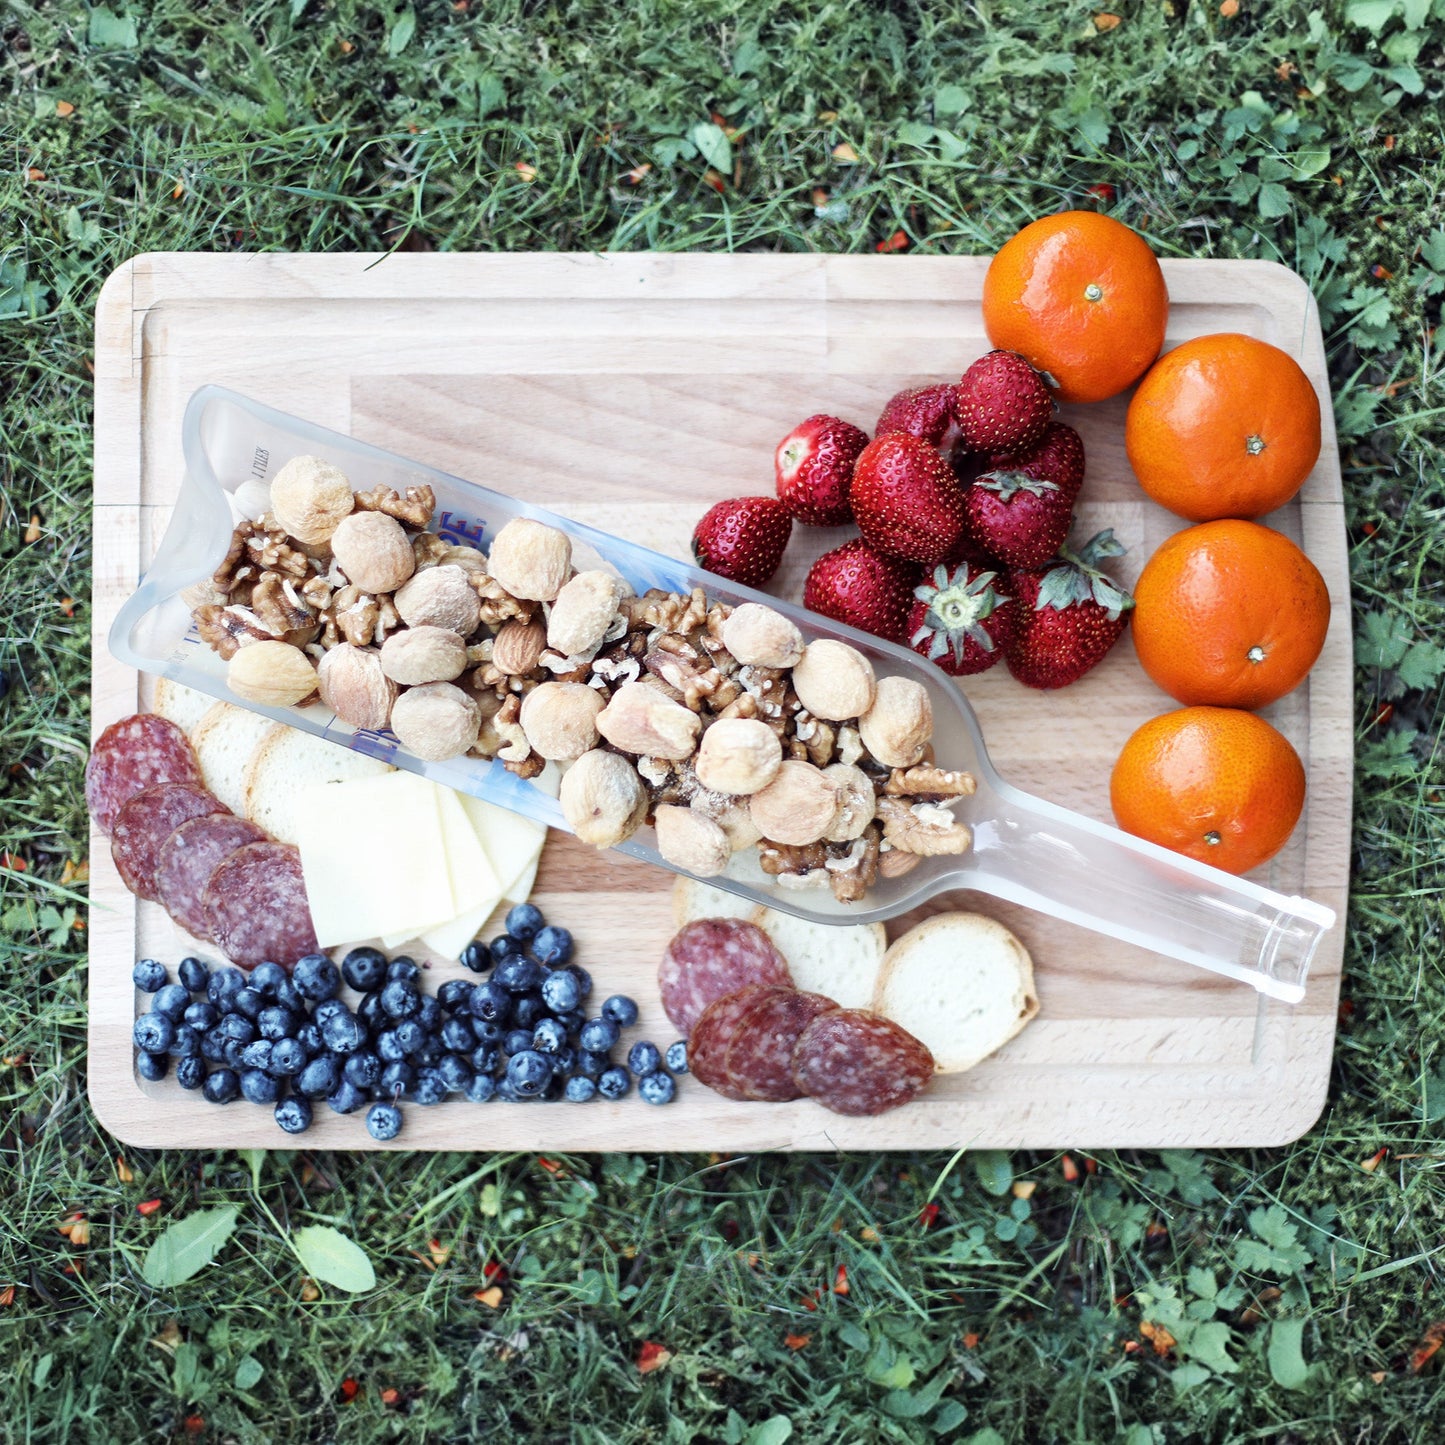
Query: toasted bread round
[284, 764]
[225, 740]
[182, 705]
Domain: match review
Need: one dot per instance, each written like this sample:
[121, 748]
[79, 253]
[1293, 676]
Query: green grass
[1309, 137]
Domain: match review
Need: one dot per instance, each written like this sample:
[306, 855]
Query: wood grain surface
[631, 392]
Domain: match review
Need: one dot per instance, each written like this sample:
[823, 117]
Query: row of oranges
[1230, 615]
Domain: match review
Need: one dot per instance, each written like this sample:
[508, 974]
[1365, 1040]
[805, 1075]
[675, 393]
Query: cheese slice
[469, 865]
[512, 842]
[449, 939]
[521, 888]
[374, 857]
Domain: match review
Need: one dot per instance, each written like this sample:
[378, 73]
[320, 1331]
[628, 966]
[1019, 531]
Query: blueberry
[518, 975]
[398, 1078]
[288, 1058]
[193, 975]
[346, 1098]
[549, 1037]
[676, 1057]
[151, 1066]
[456, 1036]
[591, 1063]
[201, 1015]
[343, 1033]
[529, 1011]
[320, 1077]
[399, 999]
[481, 1088]
[429, 1015]
[656, 1088]
[191, 1072]
[294, 1115]
[328, 1008]
[383, 1122]
[266, 978]
[231, 1054]
[552, 945]
[614, 1083]
[643, 1058]
[519, 1041]
[455, 1071]
[564, 1061]
[598, 1035]
[223, 986]
[213, 1046]
[259, 1088]
[505, 946]
[362, 1070]
[584, 979]
[316, 977]
[555, 1086]
[364, 969]
[221, 1086]
[289, 996]
[153, 1033]
[528, 1072]
[238, 1027]
[257, 1054]
[410, 1037]
[485, 1057]
[388, 1045]
[248, 1003]
[148, 975]
[490, 1001]
[429, 1055]
[430, 1087]
[476, 957]
[403, 970]
[488, 1031]
[572, 1020]
[621, 1010]
[579, 1089]
[561, 991]
[371, 1013]
[309, 1037]
[454, 995]
[275, 1022]
[172, 1001]
[524, 920]
[186, 1044]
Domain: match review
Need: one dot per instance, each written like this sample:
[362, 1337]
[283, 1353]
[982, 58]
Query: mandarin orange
[1213, 783]
[1229, 614]
[1081, 296]
[1223, 426]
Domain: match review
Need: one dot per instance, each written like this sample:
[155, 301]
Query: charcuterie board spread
[283, 921]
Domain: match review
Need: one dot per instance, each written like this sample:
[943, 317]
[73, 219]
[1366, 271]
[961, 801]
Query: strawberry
[1002, 404]
[961, 621]
[906, 499]
[743, 539]
[1057, 457]
[865, 589]
[814, 467]
[1072, 614]
[1020, 519]
[925, 412]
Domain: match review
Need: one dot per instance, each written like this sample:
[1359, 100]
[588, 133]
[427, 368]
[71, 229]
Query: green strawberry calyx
[1078, 578]
[957, 607]
[1009, 484]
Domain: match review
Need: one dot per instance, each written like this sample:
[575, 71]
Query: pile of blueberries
[287, 1039]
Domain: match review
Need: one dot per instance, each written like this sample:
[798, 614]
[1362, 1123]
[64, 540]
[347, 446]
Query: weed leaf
[188, 1246]
[713, 145]
[328, 1255]
[1286, 1358]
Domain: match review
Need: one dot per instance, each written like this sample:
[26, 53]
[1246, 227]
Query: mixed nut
[722, 726]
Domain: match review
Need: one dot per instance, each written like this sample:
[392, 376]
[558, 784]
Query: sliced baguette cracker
[180, 704]
[284, 764]
[962, 984]
[225, 740]
[839, 961]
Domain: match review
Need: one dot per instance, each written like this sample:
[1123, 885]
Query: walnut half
[923, 828]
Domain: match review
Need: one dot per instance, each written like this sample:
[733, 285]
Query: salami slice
[189, 857]
[131, 755]
[713, 1035]
[143, 825]
[710, 958]
[759, 1061]
[853, 1061]
[256, 905]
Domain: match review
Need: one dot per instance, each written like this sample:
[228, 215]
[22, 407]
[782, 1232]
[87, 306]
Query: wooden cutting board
[632, 391]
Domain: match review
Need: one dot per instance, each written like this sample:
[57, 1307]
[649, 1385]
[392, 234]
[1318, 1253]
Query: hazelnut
[757, 634]
[373, 551]
[274, 673]
[436, 721]
[354, 686]
[518, 647]
[857, 802]
[798, 806]
[692, 842]
[310, 498]
[530, 559]
[643, 720]
[583, 611]
[738, 755]
[560, 719]
[423, 654]
[440, 597]
[603, 799]
[833, 681]
[896, 729]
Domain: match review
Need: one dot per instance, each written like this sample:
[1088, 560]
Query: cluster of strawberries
[963, 500]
